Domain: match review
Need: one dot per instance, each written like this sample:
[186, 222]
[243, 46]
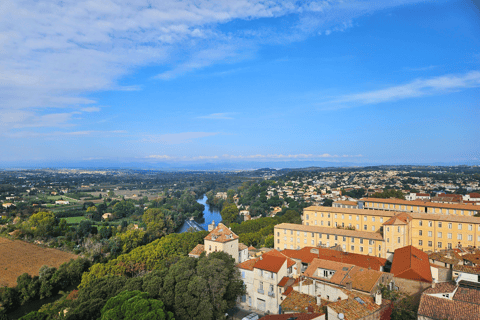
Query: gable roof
[296, 316]
[197, 251]
[362, 279]
[353, 309]
[307, 254]
[441, 308]
[270, 263]
[411, 263]
[248, 265]
[221, 234]
[400, 219]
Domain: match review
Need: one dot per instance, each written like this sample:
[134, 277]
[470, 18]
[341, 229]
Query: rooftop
[328, 230]
[411, 263]
[441, 308]
[221, 234]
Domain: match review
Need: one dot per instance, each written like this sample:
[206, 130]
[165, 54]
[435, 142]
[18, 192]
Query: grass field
[74, 219]
[61, 197]
[18, 257]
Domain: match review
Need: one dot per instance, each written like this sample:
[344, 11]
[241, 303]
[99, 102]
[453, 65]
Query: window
[291, 239]
[352, 247]
[470, 227]
[320, 235]
[291, 231]
[459, 236]
[449, 226]
[420, 232]
[381, 220]
[358, 218]
[291, 246]
[429, 243]
[430, 224]
[313, 234]
[335, 216]
[420, 242]
[322, 215]
[350, 217]
[388, 229]
[278, 234]
[361, 241]
[284, 231]
[358, 227]
[343, 225]
[313, 242]
[470, 237]
[261, 282]
[398, 239]
[344, 247]
[336, 224]
[361, 249]
[336, 238]
[370, 242]
[298, 233]
[321, 223]
[398, 229]
[364, 227]
[328, 236]
[429, 233]
[439, 234]
[343, 216]
[364, 218]
[305, 234]
[388, 239]
[329, 223]
[449, 235]
[439, 224]
[278, 240]
[298, 240]
[315, 214]
[379, 248]
[284, 246]
[420, 223]
[373, 219]
[315, 222]
[459, 226]
[373, 228]
[449, 246]
[439, 245]
[307, 217]
[353, 239]
[344, 238]
[370, 250]
[305, 241]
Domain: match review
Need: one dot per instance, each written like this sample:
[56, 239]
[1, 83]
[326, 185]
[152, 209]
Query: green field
[61, 197]
[71, 220]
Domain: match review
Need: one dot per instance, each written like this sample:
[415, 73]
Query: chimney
[378, 297]
[319, 301]
[349, 285]
[433, 284]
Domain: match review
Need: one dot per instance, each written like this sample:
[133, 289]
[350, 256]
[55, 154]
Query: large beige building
[419, 206]
[378, 232]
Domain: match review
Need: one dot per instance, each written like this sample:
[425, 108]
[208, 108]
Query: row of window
[449, 235]
[365, 218]
[370, 249]
[439, 244]
[336, 237]
[450, 225]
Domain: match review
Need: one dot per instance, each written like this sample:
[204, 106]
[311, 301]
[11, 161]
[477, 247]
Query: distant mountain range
[224, 165]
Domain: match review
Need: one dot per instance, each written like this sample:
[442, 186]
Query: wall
[412, 287]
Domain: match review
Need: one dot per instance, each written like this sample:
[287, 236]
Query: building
[223, 239]
[345, 204]
[62, 202]
[262, 277]
[411, 270]
[417, 196]
[384, 231]
[418, 206]
[449, 301]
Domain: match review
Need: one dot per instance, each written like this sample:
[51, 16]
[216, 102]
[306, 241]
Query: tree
[134, 305]
[43, 223]
[229, 213]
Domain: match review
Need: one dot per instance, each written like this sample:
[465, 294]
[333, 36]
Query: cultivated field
[18, 257]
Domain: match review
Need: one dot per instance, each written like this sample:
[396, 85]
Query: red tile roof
[197, 251]
[276, 253]
[306, 256]
[441, 308]
[411, 263]
[445, 287]
[402, 218]
[297, 316]
[221, 234]
[270, 263]
[283, 282]
[467, 295]
[248, 265]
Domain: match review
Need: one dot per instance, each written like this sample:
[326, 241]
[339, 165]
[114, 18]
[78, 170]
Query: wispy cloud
[417, 88]
[63, 134]
[177, 138]
[53, 53]
[218, 116]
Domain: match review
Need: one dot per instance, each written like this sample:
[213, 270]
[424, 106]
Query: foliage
[404, 307]
[392, 193]
[133, 305]
[229, 213]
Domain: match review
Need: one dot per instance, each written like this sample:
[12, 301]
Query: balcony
[271, 294]
[261, 291]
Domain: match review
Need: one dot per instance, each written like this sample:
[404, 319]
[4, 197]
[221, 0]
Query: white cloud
[218, 116]
[52, 53]
[177, 138]
[416, 88]
[90, 109]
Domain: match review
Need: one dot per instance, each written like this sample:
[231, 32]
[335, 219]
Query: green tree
[229, 213]
[43, 223]
[134, 305]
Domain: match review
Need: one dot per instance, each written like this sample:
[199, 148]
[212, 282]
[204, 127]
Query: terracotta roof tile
[445, 287]
[241, 246]
[422, 203]
[411, 263]
[441, 308]
[402, 218]
[284, 281]
[221, 234]
[296, 301]
[297, 316]
[467, 269]
[270, 263]
[353, 309]
[197, 251]
[467, 295]
[248, 265]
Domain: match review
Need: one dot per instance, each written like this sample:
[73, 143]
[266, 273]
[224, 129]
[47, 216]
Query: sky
[181, 82]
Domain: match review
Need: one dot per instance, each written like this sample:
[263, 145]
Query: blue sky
[384, 82]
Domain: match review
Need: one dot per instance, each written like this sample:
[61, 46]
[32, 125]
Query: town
[361, 243]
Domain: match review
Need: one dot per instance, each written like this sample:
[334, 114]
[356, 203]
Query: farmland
[18, 257]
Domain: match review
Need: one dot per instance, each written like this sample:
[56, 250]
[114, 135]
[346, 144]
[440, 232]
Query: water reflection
[209, 215]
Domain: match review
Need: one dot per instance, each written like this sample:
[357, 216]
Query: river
[209, 215]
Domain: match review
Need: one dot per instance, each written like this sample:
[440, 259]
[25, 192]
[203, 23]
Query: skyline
[179, 83]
